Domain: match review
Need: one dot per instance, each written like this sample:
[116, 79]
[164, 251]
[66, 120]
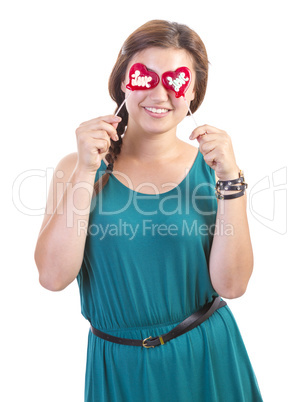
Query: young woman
[133, 215]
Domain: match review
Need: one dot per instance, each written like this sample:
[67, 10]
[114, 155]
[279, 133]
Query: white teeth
[153, 110]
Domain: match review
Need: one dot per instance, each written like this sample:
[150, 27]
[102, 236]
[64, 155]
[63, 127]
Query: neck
[149, 146]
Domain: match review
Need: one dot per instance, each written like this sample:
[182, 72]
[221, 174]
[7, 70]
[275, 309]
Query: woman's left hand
[217, 150]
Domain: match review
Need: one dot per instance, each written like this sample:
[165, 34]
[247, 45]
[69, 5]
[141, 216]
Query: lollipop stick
[194, 120]
[122, 104]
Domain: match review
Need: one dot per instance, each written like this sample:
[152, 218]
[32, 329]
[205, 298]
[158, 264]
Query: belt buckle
[144, 344]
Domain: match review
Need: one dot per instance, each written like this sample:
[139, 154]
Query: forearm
[231, 258]
[60, 246]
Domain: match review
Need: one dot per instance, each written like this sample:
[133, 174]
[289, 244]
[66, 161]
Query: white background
[56, 59]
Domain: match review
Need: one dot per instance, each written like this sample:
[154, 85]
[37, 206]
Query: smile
[158, 111]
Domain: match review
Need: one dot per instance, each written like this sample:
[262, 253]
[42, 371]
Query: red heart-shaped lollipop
[141, 78]
[178, 81]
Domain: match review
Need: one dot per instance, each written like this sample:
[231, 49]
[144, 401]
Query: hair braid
[114, 151]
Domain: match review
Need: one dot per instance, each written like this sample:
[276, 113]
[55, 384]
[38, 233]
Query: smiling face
[158, 110]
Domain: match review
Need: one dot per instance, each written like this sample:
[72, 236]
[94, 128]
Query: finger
[109, 128]
[98, 134]
[207, 146]
[93, 140]
[101, 127]
[103, 135]
[208, 138]
[211, 158]
[205, 129]
[108, 119]
[101, 145]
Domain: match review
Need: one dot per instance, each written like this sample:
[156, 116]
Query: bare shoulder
[61, 176]
[188, 147]
[188, 153]
[66, 166]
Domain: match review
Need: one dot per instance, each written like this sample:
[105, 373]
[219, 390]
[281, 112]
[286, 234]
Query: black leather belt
[188, 324]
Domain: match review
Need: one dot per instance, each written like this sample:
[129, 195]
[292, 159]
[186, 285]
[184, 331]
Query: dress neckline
[157, 194]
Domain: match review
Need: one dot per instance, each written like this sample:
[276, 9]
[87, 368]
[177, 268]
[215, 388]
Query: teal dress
[145, 270]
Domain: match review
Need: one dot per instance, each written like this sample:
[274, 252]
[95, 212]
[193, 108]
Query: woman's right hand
[93, 141]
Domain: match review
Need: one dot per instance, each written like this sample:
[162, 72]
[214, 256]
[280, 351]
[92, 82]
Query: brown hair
[155, 33]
